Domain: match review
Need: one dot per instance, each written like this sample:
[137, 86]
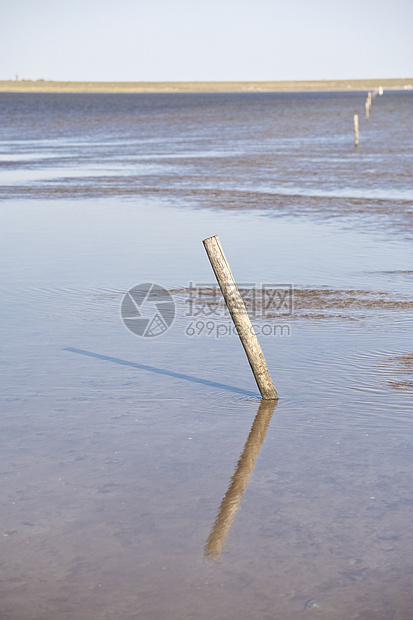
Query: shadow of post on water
[163, 371]
[239, 480]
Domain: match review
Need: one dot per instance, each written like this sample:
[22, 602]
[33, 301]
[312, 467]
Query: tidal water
[142, 477]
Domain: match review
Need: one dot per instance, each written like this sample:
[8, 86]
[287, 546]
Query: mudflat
[142, 477]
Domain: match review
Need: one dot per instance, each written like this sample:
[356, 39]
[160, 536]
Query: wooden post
[367, 106]
[239, 480]
[356, 130]
[240, 317]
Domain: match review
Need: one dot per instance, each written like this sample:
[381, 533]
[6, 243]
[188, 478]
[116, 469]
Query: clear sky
[163, 40]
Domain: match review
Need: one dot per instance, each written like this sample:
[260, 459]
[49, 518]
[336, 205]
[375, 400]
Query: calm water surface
[142, 478]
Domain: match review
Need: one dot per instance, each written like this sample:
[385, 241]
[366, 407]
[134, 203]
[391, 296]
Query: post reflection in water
[239, 480]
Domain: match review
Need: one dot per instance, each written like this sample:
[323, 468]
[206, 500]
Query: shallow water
[142, 478]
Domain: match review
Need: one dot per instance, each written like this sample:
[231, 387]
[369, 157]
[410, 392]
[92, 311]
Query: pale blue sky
[205, 39]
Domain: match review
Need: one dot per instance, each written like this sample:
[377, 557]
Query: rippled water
[143, 477]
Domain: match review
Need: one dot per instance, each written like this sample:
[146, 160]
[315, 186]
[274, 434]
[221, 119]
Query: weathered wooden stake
[240, 317]
[356, 130]
[367, 106]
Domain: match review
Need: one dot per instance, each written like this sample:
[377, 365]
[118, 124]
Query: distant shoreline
[44, 86]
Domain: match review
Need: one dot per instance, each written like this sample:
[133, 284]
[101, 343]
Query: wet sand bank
[201, 87]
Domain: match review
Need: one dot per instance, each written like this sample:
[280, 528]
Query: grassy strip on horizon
[201, 87]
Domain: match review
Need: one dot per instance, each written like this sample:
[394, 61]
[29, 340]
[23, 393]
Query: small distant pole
[368, 105]
[356, 130]
[240, 317]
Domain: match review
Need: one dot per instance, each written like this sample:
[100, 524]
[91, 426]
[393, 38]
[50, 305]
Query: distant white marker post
[356, 130]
